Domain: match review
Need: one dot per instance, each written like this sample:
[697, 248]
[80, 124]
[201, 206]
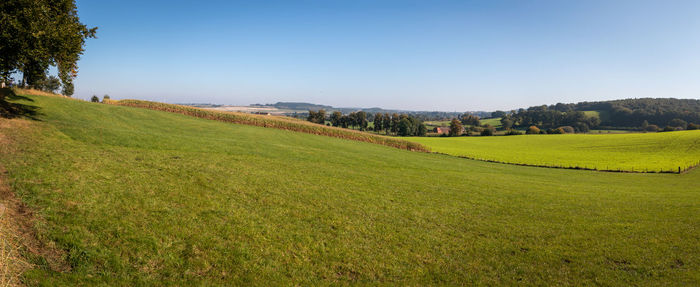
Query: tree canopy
[38, 34]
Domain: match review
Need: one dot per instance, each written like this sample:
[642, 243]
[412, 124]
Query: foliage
[317, 117]
[547, 118]
[513, 132]
[567, 130]
[488, 130]
[49, 84]
[498, 114]
[455, 128]
[632, 112]
[533, 130]
[678, 123]
[95, 99]
[470, 120]
[37, 34]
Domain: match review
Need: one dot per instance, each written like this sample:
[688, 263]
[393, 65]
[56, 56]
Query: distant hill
[297, 106]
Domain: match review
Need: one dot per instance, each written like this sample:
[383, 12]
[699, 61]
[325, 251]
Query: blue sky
[417, 55]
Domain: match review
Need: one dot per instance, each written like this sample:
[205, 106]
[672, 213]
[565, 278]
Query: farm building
[441, 130]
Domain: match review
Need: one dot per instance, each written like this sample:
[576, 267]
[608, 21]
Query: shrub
[678, 123]
[692, 126]
[668, 129]
[652, 128]
[488, 131]
[533, 130]
[95, 99]
[512, 132]
[567, 130]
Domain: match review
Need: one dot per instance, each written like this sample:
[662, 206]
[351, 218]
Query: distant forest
[645, 113]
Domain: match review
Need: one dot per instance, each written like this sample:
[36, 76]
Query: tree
[567, 130]
[470, 120]
[532, 130]
[95, 99]
[38, 34]
[507, 123]
[48, 84]
[404, 127]
[652, 128]
[488, 130]
[678, 123]
[317, 117]
[395, 123]
[387, 122]
[421, 131]
[105, 98]
[645, 124]
[361, 120]
[498, 114]
[455, 128]
[378, 122]
[335, 118]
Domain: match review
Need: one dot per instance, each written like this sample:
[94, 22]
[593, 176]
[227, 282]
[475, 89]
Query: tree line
[38, 34]
[643, 114]
[394, 124]
[546, 118]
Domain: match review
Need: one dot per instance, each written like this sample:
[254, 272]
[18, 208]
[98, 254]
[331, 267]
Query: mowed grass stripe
[637, 152]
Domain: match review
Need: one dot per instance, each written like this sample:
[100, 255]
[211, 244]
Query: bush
[652, 128]
[555, 131]
[668, 129]
[488, 131]
[513, 132]
[692, 126]
[567, 130]
[533, 130]
[678, 123]
[95, 99]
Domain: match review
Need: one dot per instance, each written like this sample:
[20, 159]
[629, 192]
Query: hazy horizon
[407, 55]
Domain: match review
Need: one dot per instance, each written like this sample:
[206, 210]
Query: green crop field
[652, 152]
[128, 196]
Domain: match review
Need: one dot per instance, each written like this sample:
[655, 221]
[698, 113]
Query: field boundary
[680, 171]
[273, 122]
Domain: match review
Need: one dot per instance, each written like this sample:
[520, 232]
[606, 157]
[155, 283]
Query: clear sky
[417, 55]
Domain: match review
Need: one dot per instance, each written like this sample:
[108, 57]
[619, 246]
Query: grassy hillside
[140, 197]
[653, 152]
[284, 123]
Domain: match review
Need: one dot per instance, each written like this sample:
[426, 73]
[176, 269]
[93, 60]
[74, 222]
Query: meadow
[131, 196]
[637, 152]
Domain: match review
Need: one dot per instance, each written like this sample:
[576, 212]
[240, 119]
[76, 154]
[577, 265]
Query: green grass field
[652, 152]
[140, 197]
[494, 122]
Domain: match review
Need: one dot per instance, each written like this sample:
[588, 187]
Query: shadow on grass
[9, 108]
